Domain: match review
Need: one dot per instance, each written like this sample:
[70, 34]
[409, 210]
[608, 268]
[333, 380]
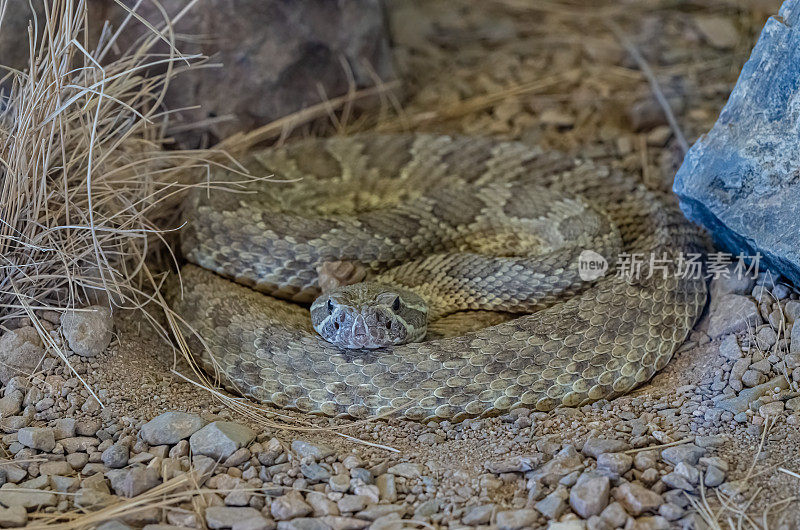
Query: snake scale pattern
[389, 200]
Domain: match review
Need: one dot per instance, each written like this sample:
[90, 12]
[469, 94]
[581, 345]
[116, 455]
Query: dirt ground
[552, 74]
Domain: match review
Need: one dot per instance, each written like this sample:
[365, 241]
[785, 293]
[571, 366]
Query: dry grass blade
[86, 188]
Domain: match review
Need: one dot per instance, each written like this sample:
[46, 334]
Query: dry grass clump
[86, 187]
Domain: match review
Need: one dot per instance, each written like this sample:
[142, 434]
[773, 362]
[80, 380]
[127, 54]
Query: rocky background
[712, 440]
[279, 56]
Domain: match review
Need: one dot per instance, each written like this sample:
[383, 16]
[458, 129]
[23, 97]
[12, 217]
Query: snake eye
[330, 306]
[396, 304]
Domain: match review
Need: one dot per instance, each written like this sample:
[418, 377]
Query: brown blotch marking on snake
[452, 208]
[468, 161]
[575, 226]
[396, 225]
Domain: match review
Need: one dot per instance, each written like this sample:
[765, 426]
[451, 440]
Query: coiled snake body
[426, 211]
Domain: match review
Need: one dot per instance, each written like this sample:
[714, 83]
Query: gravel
[289, 506]
[478, 515]
[132, 481]
[554, 504]
[616, 463]
[594, 447]
[224, 517]
[637, 499]
[683, 453]
[406, 470]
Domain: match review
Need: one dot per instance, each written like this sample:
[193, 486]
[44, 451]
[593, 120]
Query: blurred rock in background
[14, 47]
[278, 56]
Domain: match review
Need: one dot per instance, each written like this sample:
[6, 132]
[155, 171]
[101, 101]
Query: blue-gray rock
[739, 181]
[280, 56]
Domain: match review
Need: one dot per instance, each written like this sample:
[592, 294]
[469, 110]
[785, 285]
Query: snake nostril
[335, 325]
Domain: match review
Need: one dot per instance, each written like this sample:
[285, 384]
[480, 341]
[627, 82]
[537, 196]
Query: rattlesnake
[378, 199]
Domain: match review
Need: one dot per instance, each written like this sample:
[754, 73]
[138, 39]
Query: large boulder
[741, 181]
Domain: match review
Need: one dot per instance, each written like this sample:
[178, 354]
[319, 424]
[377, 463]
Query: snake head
[369, 315]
